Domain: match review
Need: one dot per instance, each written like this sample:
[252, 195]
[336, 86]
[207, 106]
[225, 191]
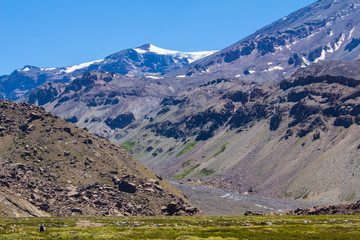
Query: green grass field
[184, 228]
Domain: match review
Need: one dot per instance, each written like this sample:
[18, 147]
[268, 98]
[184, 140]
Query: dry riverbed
[215, 202]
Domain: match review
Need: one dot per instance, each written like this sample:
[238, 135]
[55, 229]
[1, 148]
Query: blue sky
[54, 33]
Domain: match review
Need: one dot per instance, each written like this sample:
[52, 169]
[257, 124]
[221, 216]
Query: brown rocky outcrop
[55, 168]
[339, 209]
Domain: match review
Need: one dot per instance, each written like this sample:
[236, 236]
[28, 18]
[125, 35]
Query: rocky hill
[297, 138]
[51, 167]
[147, 60]
[324, 30]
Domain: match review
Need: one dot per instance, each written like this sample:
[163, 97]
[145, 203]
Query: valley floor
[184, 228]
[216, 202]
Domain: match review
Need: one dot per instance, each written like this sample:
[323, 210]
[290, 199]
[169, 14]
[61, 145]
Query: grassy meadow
[183, 228]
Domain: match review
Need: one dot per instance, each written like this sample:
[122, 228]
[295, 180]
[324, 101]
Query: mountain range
[275, 114]
[147, 60]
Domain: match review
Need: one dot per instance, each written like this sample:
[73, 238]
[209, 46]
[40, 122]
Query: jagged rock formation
[51, 167]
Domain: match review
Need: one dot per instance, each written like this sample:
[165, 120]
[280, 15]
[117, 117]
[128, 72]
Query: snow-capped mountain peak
[191, 56]
[73, 68]
[146, 61]
[154, 49]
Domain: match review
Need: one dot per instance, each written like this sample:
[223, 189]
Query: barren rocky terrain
[50, 167]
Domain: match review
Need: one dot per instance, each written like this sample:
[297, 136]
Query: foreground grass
[184, 228]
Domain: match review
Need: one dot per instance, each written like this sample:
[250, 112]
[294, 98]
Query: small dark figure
[42, 228]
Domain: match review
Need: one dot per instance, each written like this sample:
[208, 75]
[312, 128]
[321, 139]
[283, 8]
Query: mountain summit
[325, 30]
[147, 60]
[190, 56]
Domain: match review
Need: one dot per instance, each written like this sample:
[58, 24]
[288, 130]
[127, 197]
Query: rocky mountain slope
[51, 167]
[104, 102]
[147, 60]
[325, 30]
[297, 138]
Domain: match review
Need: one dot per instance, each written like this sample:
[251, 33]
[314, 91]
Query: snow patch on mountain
[191, 56]
[341, 40]
[194, 56]
[180, 76]
[79, 66]
[24, 70]
[273, 69]
[329, 48]
[351, 32]
[47, 69]
[153, 77]
[306, 62]
[322, 57]
[151, 48]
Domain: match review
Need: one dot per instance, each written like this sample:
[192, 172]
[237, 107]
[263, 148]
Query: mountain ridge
[151, 62]
[324, 30]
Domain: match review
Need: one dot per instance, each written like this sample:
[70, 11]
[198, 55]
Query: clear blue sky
[54, 33]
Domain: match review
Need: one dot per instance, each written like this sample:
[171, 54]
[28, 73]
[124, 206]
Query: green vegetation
[128, 145]
[184, 228]
[206, 172]
[222, 149]
[187, 172]
[187, 163]
[188, 147]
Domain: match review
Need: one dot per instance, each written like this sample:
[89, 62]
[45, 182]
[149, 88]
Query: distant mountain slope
[297, 138]
[51, 167]
[147, 60]
[325, 30]
[103, 102]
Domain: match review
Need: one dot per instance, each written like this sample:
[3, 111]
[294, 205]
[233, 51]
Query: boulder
[127, 187]
[191, 209]
[67, 129]
[344, 121]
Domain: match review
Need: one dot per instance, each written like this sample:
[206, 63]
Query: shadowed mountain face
[147, 60]
[51, 167]
[297, 138]
[325, 30]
